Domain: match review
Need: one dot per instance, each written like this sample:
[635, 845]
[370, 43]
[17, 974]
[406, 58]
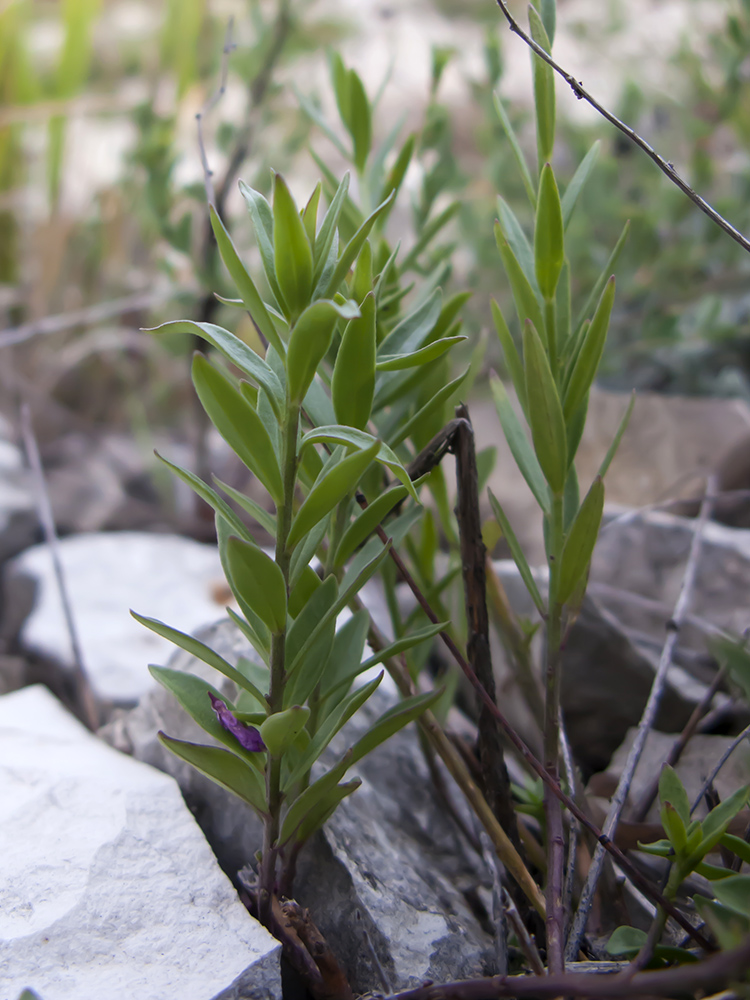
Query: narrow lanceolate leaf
[544, 91]
[353, 384]
[515, 145]
[260, 581]
[510, 353]
[360, 121]
[324, 239]
[210, 496]
[244, 283]
[612, 450]
[519, 445]
[201, 651]
[332, 488]
[351, 251]
[222, 767]
[433, 351]
[578, 182]
[238, 423]
[604, 276]
[672, 790]
[292, 254]
[590, 353]
[236, 351]
[310, 215]
[545, 412]
[548, 10]
[517, 553]
[519, 242]
[527, 304]
[308, 342]
[262, 219]
[549, 252]
[351, 437]
[398, 171]
[361, 529]
[579, 545]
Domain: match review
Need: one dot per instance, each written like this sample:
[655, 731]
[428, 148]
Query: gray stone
[391, 852]
[642, 555]
[18, 518]
[109, 888]
[163, 576]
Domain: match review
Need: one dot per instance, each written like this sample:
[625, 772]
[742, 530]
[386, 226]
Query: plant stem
[552, 805]
[267, 881]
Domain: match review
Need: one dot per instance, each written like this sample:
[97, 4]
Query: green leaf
[309, 341]
[360, 121]
[315, 610]
[312, 795]
[672, 790]
[353, 383]
[192, 694]
[612, 450]
[411, 332]
[352, 437]
[626, 941]
[260, 581]
[392, 721]
[544, 91]
[579, 545]
[281, 729]
[434, 403]
[331, 489]
[324, 240]
[578, 182]
[714, 826]
[238, 423]
[367, 522]
[293, 260]
[515, 145]
[405, 642]
[527, 304]
[262, 218]
[251, 299]
[730, 927]
[209, 496]
[737, 846]
[545, 412]
[346, 656]
[604, 276]
[361, 284]
[351, 252]
[398, 171]
[549, 252]
[548, 10]
[310, 216]
[518, 241]
[236, 351]
[734, 892]
[202, 652]
[260, 514]
[427, 234]
[518, 443]
[363, 567]
[510, 354]
[332, 725]
[223, 767]
[590, 353]
[674, 828]
[517, 553]
[397, 362]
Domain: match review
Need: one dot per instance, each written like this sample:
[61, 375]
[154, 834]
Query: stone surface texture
[391, 853]
[109, 888]
[168, 577]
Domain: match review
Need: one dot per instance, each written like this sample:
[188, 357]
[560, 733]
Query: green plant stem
[552, 805]
[277, 668]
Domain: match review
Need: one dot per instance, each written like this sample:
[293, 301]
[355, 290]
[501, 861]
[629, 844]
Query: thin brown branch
[646, 723]
[665, 166]
[210, 104]
[708, 976]
[744, 735]
[84, 690]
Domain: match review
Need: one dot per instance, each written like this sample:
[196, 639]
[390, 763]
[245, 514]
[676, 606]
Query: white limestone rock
[109, 888]
[175, 579]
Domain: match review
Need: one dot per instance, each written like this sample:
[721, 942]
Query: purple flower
[246, 736]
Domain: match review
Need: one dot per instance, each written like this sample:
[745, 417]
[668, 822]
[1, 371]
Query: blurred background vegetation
[103, 225]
